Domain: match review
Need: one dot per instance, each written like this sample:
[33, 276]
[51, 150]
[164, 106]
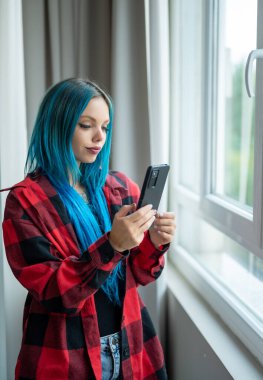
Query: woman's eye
[84, 126]
[106, 128]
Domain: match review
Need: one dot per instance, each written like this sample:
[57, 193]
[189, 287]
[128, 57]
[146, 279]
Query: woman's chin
[88, 161]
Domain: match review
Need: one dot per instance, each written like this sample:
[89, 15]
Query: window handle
[254, 54]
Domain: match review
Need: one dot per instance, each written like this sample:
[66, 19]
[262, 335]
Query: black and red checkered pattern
[61, 338]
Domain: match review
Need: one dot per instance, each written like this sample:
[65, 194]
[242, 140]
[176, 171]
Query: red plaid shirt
[61, 337]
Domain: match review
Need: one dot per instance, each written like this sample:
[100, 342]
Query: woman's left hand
[163, 229]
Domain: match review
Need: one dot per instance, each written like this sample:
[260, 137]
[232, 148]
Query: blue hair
[50, 150]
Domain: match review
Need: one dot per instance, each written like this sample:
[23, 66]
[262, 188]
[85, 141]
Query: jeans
[110, 356]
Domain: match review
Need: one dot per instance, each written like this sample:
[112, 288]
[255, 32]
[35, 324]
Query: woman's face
[91, 131]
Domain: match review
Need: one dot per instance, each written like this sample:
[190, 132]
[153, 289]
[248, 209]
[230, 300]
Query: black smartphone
[153, 185]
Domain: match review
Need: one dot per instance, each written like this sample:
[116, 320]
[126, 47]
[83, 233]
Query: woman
[74, 239]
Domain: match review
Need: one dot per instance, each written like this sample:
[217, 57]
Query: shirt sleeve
[146, 261]
[61, 284]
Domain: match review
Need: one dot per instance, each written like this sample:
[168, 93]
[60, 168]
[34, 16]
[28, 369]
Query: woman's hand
[163, 229]
[128, 230]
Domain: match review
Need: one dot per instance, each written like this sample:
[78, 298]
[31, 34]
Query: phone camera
[154, 178]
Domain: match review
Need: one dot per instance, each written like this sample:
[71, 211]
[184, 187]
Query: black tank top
[109, 314]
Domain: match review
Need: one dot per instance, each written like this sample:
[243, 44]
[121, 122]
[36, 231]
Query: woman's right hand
[128, 230]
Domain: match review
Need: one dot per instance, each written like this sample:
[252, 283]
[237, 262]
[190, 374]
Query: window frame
[232, 220]
[227, 306]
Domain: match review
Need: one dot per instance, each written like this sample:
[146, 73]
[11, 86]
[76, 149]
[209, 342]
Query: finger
[168, 230]
[165, 238]
[166, 215]
[144, 227]
[139, 214]
[145, 218]
[164, 222]
[126, 209]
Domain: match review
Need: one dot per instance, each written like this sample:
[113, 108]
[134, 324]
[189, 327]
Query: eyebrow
[92, 118]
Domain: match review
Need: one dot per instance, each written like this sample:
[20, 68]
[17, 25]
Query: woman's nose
[99, 135]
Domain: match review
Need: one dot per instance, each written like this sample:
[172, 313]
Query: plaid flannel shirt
[61, 339]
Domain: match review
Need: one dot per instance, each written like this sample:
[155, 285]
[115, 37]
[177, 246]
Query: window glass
[234, 119]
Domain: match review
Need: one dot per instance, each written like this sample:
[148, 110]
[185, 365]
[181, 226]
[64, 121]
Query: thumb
[126, 209]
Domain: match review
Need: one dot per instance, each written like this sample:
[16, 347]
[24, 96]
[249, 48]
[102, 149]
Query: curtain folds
[12, 158]
[65, 38]
[157, 32]
[158, 87]
[131, 140]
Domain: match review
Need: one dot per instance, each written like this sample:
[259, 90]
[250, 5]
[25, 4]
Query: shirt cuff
[102, 253]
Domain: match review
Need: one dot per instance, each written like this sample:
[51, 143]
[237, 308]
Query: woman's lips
[94, 150]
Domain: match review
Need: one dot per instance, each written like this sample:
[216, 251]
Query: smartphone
[153, 185]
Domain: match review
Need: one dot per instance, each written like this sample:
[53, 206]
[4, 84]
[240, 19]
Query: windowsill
[238, 280]
[236, 356]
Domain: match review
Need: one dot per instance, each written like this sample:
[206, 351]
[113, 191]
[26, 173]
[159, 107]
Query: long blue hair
[50, 150]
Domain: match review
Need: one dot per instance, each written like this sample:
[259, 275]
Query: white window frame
[225, 304]
[236, 222]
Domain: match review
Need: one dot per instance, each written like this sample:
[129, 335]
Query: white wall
[199, 344]
[190, 357]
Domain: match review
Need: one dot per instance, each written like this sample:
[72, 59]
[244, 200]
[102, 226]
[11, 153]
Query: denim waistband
[111, 339]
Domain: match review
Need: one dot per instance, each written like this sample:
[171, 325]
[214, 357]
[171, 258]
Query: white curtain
[157, 32]
[12, 159]
[157, 27]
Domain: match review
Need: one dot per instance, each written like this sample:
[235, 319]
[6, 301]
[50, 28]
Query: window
[234, 111]
[216, 145]
[231, 189]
